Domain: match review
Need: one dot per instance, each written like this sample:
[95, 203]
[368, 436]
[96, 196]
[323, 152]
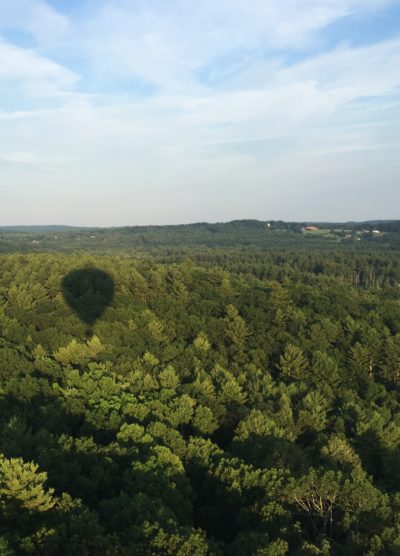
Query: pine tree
[293, 362]
[22, 486]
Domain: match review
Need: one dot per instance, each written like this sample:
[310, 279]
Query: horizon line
[105, 227]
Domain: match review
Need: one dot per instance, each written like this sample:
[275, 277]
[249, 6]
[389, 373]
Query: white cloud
[167, 43]
[31, 73]
[296, 102]
[35, 17]
[367, 70]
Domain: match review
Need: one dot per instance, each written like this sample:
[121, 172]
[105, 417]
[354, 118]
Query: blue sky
[123, 112]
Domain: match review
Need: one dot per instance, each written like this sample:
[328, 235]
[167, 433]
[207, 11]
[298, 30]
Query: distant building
[311, 228]
[376, 231]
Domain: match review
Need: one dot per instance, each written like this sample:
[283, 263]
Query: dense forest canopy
[213, 400]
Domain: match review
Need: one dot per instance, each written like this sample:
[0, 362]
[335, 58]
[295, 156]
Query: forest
[184, 397]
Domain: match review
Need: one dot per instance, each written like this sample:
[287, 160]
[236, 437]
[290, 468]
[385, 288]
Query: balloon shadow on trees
[88, 291]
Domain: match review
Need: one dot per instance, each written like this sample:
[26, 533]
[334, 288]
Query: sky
[125, 112]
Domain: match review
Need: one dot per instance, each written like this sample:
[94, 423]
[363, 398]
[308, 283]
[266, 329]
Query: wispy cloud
[169, 43]
[38, 75]
[35, 17]
[139, 105]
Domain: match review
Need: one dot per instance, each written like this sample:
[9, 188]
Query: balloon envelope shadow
[88, 291]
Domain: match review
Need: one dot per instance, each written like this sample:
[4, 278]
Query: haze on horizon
[118, 112]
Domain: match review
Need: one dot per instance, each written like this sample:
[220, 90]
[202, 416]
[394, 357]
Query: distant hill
[393, 225]
[242, 234]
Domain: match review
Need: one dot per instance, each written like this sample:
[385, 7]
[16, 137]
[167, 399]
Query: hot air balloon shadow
[88, 291]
